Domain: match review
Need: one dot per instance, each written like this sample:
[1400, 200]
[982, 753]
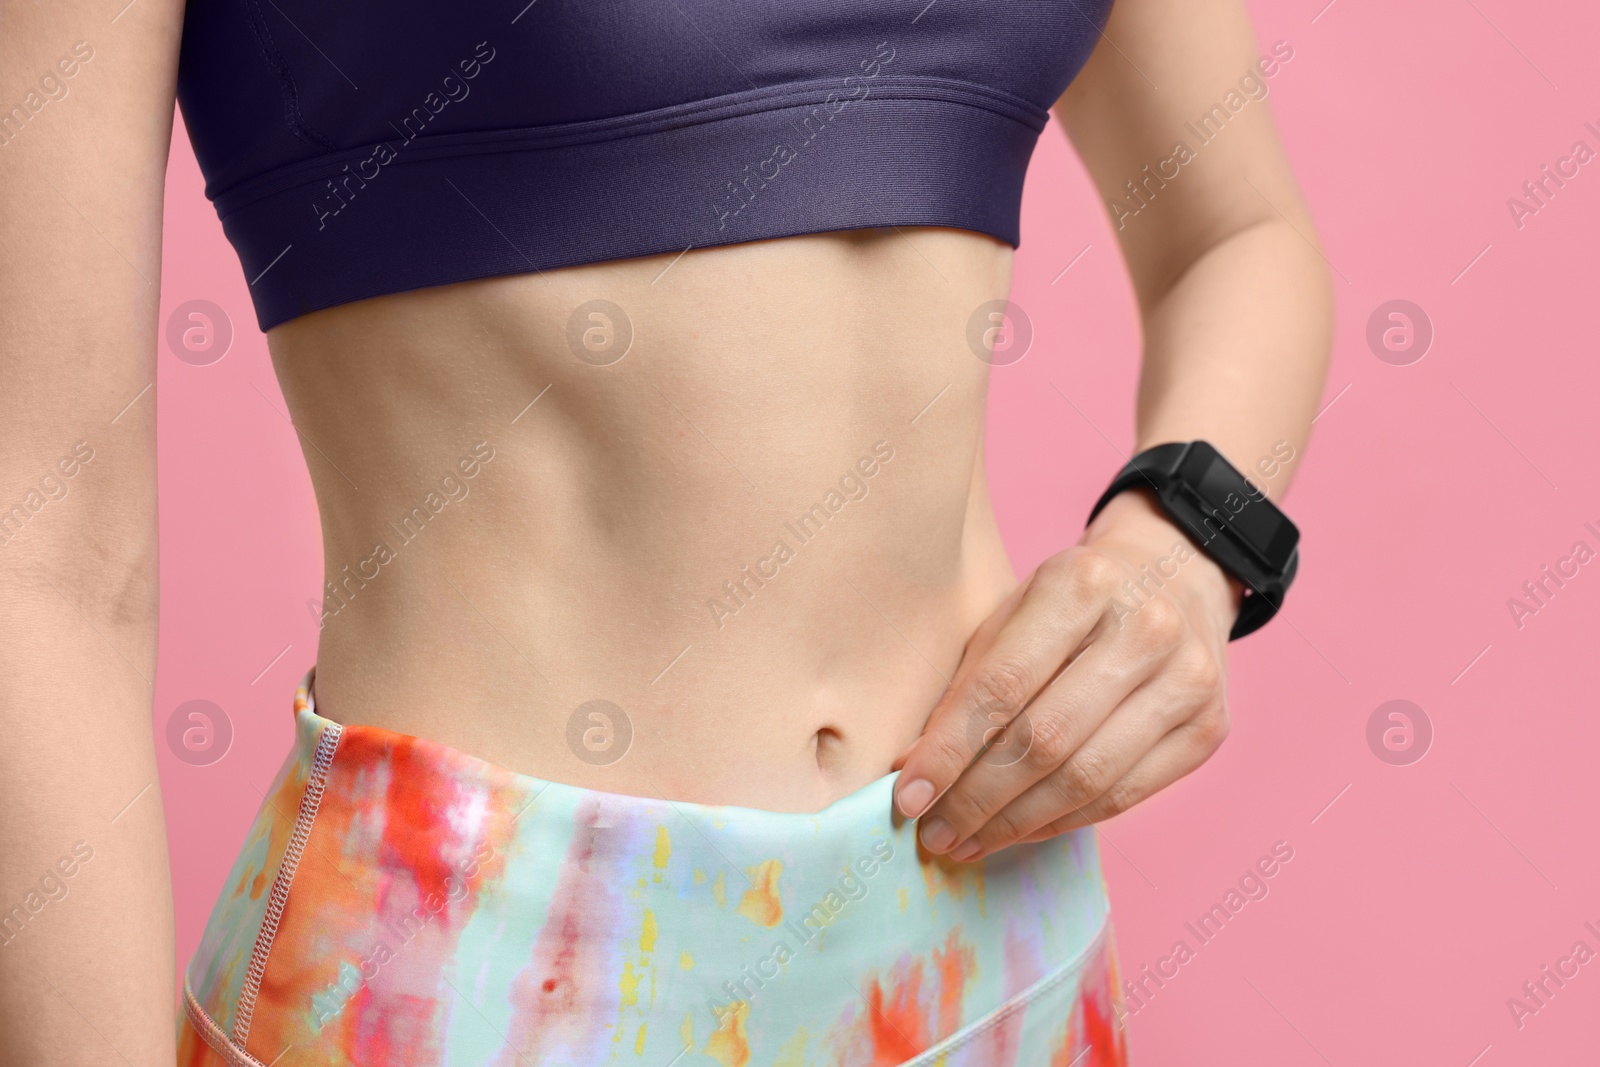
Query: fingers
[1000, 674]
[1174, 756]
[1132, 733]
[1040, 741]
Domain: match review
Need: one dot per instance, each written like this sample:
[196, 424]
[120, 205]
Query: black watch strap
[1206, 497]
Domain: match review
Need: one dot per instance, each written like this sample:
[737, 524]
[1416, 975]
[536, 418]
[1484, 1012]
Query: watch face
[1229, 501]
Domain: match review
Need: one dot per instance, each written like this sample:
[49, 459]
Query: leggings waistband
[398, 902]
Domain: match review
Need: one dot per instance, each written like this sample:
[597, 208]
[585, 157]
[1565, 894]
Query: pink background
[1421, 898]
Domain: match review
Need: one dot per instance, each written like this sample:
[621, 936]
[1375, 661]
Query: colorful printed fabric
[398, 904]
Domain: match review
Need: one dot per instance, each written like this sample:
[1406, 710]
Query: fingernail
[938, 835]
[969, 848]
[915, 797]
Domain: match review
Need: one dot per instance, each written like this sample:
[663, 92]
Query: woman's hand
[1100, 681]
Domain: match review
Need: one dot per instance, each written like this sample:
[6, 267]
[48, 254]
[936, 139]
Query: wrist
[1134, 520]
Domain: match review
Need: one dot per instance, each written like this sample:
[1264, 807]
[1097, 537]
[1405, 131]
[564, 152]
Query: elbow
[94, 553]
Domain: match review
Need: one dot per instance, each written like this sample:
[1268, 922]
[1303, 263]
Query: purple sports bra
[357, 149]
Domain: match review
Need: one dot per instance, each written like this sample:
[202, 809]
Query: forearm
[85, 900]
[1236, 352]
[1121, 642]
[86, 941]
[1233, 290]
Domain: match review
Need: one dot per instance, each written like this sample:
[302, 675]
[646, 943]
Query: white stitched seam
[212, 1034]
[1015, 1004]
[309, 802]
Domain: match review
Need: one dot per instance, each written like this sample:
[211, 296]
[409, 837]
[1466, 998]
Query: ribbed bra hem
[793, 159]
[777, 98]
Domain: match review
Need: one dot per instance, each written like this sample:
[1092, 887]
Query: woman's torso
[634, 440]
[742, 500]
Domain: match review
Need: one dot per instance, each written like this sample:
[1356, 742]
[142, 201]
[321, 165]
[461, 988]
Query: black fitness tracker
[1231, 520]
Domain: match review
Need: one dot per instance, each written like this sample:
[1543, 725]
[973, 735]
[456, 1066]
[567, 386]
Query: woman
[639, 352]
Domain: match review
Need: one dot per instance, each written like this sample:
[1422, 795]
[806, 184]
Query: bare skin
[594, 548]
[582, 558]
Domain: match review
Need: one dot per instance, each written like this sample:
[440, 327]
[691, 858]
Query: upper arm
[86, 105]
[1171, 119]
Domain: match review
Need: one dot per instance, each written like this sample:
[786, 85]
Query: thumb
[915, 792]
[934, 761]
[956, 731]
[1010, 657]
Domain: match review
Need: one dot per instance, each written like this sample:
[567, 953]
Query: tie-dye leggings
[400, 903]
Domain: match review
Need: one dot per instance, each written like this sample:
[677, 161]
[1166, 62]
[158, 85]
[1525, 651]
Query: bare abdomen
[712, 527]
